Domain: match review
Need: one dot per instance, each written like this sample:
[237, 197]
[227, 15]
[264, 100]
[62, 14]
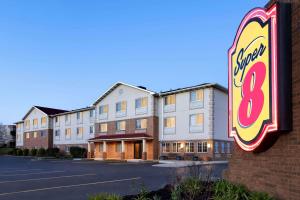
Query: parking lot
[26, 178]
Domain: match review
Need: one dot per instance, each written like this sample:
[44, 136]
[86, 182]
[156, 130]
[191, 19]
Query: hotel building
[131, 122]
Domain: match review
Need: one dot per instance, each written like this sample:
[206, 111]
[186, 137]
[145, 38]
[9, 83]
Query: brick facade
[277, 170]
[45, 140]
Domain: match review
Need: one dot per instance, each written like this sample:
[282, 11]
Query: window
[78, 115]
[103, 109]
[165, 147]
[169, 122]
[141, 124]
[66, 118]
[57, 134]
[44, 121]
[27, 135]
[43, 133]
[189, 147]
[141, 102]
[216, 147]
[228, 148]
[202, 147]
[196, 120]
[103, 128]
[121, 126]
[91, 113]
[101, 147]
[170, 100]
[222, 147]
[56, 119]
[91, 129]
[35, 134]
[27, 124]
[176, 147]
[196, 95]
[121, 106]
[35, 122]
[79, 132]
[68, 133]
[118, 147]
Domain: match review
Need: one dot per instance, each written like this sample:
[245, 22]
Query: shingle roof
[121, 136]
[50, 111]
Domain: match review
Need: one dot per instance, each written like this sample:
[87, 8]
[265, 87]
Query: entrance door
[138, 150]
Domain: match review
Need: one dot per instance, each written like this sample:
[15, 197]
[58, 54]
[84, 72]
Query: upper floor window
[27, 124]
[92, 113]
[103, 109]
[19, 126]
[170, 100]
[79, 132]
[196, 120]
[91, 129]
[35, 134]
[141, 124]
[103, 128]
[165, 147]
[44, 121]
[169, 122]
[196, 95]
[78, 115]
[57, 134]
[189, 147]
[121, 106]
[141, 102]
[68, 133]
[202, 147]
[121, 125]
[66, 118]
[35, 122]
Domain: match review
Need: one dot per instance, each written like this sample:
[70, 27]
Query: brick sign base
[276, 170]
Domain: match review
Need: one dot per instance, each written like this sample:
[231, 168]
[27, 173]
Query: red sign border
[264, 15]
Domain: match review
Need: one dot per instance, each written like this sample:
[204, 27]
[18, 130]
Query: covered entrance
[137, 150]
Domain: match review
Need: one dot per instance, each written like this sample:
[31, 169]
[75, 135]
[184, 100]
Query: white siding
[128, 94]
[36, 114]
[85, 122]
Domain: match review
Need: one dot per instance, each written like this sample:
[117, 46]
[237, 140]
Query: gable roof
[74, 111]
[117, 85]
[47, 111]
[200, 86]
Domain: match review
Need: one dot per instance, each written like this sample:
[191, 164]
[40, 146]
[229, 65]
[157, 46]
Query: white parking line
[48, 172]
[55, 177]
[69, 186]
[20, 170]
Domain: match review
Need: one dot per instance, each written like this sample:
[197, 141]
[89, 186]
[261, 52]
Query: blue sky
[65, 53]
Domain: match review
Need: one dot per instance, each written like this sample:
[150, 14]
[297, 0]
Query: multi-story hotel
[131, 122]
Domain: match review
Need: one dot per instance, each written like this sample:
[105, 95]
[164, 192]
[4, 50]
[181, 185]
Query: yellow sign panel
[253, 79]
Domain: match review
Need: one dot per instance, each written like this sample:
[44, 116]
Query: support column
[104, 154]
[144, 155]
[122, 150]
[90, 151]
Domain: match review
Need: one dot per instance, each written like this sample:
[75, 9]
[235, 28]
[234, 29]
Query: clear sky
[66, 53]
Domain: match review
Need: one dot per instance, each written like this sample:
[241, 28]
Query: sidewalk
[184, 163]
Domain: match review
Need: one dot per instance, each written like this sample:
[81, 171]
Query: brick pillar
[122, 150]
[144, 154]
[104, 154]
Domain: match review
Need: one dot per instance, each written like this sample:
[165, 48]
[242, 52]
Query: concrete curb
[177, 164]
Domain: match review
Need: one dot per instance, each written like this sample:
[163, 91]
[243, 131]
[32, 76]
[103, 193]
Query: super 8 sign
[253, 78]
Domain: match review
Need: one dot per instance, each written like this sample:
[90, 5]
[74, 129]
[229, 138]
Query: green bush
[223, 190]
[53, 152]
[78, 152]
[33, 152]
[19, 152]
[25, 152]
[105, 196]
[189, 189]
[41, 152]
[6, 151]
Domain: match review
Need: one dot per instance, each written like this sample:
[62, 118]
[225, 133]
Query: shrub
[6, 151]
[25, 152]
[105, 196]
[19, 152]
[41, 152]
[78, 152]
[33, 152]
[189, 189]
[227, 191]
[53, 152]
